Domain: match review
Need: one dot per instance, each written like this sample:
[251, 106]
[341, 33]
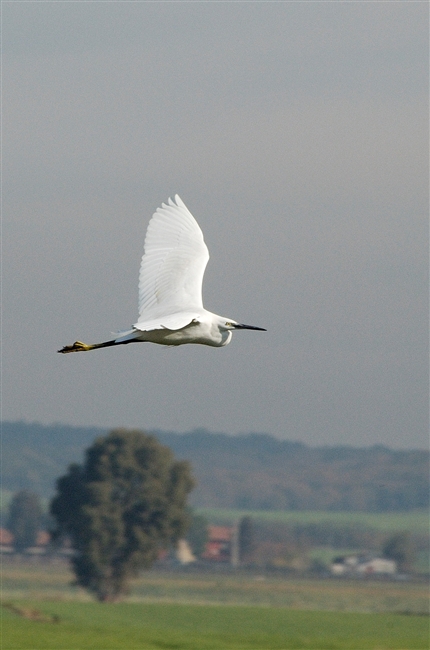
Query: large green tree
[126, 501]
[25, 515]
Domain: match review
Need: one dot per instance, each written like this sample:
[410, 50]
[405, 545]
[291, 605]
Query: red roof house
[218, 546]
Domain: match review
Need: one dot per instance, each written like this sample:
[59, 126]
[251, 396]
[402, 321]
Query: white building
[363, 565]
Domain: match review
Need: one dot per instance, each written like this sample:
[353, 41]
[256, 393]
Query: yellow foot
[77, 346]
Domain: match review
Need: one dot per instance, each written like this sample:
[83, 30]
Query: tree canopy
[400, 547]
[126, 501]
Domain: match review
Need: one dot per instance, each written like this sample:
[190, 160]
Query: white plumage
[173, 264]
[171, 309]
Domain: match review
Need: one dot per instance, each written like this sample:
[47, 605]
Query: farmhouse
[362, 565]
[219, 544]
[6, 541]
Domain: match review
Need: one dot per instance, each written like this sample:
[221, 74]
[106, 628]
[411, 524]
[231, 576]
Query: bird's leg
[78, 346]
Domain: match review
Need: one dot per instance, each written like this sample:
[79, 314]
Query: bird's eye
[228, 324]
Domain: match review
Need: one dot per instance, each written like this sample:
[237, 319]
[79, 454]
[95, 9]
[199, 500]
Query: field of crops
[220, 610]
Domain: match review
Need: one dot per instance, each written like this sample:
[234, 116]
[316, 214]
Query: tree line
[254, 471]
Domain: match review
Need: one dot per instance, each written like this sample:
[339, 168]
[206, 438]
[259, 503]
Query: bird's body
[171, 309]
[201, 328]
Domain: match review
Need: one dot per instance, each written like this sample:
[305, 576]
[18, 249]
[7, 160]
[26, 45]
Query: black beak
[241, 326]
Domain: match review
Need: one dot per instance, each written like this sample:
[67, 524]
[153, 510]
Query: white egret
[171, 310]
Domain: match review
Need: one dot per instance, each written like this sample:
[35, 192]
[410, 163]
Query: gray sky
[296, 133]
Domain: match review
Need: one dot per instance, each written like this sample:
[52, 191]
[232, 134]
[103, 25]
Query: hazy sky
[296, 133]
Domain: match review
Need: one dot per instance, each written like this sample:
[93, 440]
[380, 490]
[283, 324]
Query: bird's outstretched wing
[173, 264]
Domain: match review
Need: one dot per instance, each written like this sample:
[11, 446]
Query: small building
[184, 554]
[219, 544]
[362, 565]
[6, 541]
[42, 542]
[377, 565]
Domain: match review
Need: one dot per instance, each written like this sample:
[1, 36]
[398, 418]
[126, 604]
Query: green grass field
[41, 581]
[416, 521]
[215, 610]
[127, 626]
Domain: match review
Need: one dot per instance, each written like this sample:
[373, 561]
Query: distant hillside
[253, 471]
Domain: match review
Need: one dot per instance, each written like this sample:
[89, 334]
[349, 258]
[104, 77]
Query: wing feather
[173, 264]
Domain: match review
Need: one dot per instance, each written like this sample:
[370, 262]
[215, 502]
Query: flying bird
[171, 309]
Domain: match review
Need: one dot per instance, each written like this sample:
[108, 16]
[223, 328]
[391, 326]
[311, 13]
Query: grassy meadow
[216, 610]
[220, 609]
[39, 581]
[80, 626]
[414, 521]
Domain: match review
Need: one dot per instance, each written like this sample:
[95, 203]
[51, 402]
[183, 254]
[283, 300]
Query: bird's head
[227, 325]
[222, 328]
